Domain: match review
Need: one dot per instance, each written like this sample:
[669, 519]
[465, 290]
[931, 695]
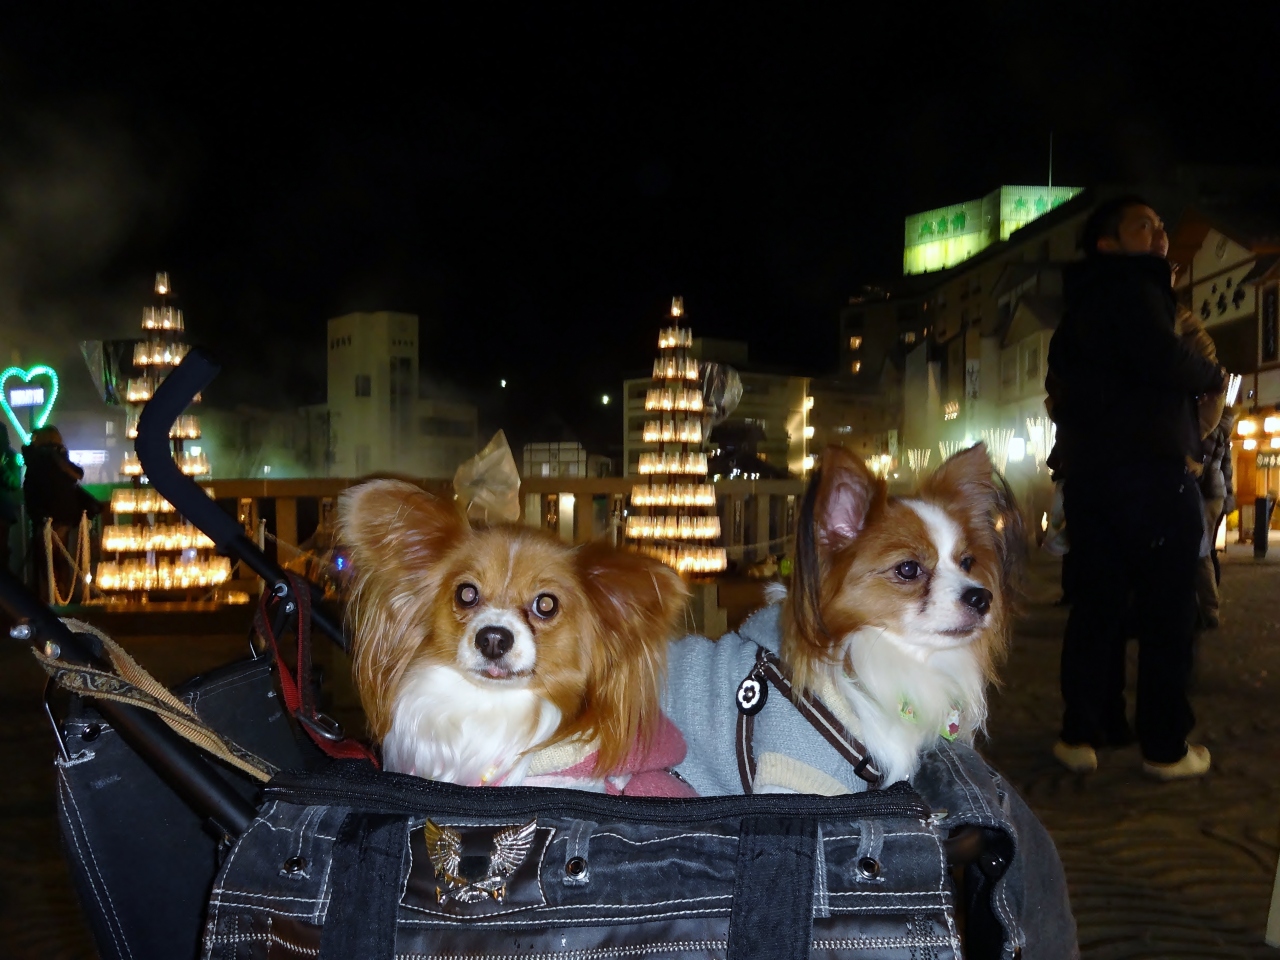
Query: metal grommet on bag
[868, 868]
[295, 865]
[575, 866]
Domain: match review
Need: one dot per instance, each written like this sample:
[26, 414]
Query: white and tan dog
[897, 615]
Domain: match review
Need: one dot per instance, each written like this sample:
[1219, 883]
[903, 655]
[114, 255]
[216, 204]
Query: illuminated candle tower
[673, 511]
[175, 555]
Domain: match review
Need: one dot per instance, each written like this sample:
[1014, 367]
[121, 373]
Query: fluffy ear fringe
[395, 534]
[840, 497]
[639, 604]
[970, 479]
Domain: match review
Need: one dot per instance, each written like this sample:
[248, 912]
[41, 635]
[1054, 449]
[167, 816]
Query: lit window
[856, 366]
[855, 343]
[110, 428]
[909, 337]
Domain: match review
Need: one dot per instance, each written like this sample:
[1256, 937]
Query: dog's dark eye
[545, 605]
[966, 564]
[907, 570]
[468, 595]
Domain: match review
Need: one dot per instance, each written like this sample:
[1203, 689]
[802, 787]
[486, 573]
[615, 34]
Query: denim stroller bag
[348, 862]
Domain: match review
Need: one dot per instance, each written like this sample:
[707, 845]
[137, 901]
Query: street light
[605, 399]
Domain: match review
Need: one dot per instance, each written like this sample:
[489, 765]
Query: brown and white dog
[904, 604]
[896, 617]
[477, 650]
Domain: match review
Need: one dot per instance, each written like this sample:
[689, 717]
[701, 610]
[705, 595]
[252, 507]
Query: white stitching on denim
[999, 901]
[313, 813]
[534, 906]
[904, 833]
[268, 937]
[231, 892]
[120, 943]
[881, 907]
[257, 908]
[542, 921]
[678, 836]
[323, 895]
[214, 900]
[84, 756]
[590, 953]
[884, 893]
[866, 943]
[948, 911]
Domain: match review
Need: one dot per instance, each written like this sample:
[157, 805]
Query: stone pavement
[1155, 870]
[1162, 870]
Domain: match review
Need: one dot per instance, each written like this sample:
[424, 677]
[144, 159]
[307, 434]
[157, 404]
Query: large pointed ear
[969, 481]
[394, 528]
[639, 604]
[965, 480]
[840, 497]
[396, 535]
[845, 492]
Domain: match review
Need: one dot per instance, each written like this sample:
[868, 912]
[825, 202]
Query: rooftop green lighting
[941, 238]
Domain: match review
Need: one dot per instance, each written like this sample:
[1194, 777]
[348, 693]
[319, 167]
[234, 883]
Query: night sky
[536, 188]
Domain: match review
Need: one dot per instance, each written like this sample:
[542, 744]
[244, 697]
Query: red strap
[298, 694]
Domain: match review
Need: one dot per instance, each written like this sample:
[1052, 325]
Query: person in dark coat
[10, 496]
[51, 490]
[1124, 389]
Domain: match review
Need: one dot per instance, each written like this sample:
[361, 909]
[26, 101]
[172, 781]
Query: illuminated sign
[941, 238]
[38, 410]
[1268, 460]
[26, 397]
[87, 458]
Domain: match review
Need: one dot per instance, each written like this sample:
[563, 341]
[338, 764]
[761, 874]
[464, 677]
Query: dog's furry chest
[444, 727]
[903, 698]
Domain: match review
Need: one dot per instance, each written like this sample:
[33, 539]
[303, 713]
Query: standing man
[51, 491]
[1125, 389]
[10, 498]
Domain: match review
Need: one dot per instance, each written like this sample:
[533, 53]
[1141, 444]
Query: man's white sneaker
[1078, 758]
[1194, 764]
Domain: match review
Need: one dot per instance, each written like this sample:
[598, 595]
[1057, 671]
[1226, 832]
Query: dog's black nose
[493, 642]
[979, 598]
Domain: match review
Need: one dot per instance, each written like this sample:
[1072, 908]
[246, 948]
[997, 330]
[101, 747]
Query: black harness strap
[751, 696]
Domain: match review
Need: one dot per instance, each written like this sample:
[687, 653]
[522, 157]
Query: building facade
[378, 418]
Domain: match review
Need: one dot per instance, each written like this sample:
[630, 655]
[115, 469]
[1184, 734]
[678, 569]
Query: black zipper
[352, 784]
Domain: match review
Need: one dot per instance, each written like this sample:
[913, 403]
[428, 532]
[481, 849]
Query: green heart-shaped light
[42, 416]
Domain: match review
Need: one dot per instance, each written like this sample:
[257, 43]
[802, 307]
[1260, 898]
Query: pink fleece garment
[650, 771]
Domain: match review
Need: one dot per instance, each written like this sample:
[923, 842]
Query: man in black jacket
[52, 491]
[1123, 389]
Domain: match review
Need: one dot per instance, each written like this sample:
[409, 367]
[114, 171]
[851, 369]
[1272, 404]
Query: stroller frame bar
[196, 371]
[177, 762]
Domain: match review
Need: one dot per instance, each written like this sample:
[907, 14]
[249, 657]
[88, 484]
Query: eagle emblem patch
[471, 867]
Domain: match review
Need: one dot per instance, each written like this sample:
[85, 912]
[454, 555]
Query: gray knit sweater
[702, 681]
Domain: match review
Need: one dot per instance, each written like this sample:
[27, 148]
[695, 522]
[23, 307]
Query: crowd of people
[1141, 508]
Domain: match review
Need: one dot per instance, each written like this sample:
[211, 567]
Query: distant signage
[1270, 460]
[26, 397]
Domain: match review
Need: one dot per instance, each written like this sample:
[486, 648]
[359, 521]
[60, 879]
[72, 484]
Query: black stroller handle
[177, 762]
[196, 371]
